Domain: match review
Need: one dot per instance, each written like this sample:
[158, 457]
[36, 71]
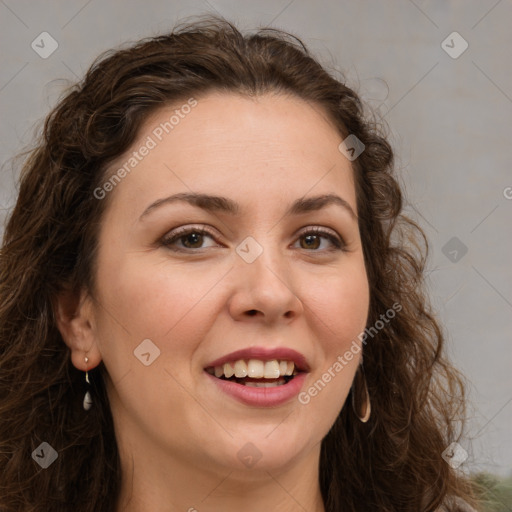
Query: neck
[151, 482]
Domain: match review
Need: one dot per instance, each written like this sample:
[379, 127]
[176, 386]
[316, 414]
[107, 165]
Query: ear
[74, 316]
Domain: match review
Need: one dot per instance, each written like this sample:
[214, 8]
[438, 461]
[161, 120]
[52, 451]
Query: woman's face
[173, 302]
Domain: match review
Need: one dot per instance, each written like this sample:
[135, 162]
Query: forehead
[239, 144]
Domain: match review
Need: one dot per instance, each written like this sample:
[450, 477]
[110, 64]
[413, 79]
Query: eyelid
[336, 239]
[174, 235]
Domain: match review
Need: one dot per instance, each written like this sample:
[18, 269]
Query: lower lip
[261, 397]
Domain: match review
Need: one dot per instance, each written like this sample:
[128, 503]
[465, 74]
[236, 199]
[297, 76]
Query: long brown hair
[392, 463]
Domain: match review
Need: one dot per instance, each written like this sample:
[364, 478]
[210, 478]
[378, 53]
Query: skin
[178, 435]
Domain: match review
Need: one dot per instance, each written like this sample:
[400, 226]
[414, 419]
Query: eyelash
[168, 240]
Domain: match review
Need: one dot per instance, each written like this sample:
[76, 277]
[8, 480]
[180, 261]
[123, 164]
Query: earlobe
[74, 319]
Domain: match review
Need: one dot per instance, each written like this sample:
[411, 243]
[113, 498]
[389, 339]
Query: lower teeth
[258, 383]
[273, 384]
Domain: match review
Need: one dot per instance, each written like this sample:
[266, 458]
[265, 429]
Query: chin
[269, 449]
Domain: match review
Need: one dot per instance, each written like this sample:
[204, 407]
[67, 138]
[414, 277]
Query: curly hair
[391, 463]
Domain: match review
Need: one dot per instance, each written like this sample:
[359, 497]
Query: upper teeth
[255, 369]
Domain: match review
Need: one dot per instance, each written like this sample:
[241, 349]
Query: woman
[210, 299]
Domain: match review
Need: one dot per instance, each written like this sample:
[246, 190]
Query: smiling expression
[234, 239]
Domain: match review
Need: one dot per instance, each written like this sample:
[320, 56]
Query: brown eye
[311, 241]
[192, 240]
[187, 238]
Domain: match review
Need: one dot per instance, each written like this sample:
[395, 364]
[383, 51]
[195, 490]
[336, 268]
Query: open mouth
[256, 373]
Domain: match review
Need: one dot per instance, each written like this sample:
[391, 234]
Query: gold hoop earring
[360, 396]
[87, 403]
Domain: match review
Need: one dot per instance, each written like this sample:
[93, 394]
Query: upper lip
[264, 354]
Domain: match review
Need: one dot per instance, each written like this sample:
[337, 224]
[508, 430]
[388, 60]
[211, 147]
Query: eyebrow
[225, 205]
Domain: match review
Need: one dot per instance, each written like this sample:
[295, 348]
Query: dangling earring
[360, 396]
[87, 398]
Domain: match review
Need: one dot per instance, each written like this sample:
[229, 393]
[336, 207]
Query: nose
[264, 290]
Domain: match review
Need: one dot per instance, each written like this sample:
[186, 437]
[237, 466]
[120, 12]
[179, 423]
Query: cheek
[340, 303]
[153, 301]
[339, 310]
[174, 310]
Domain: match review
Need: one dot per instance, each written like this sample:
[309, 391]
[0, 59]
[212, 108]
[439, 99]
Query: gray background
[449, 120]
